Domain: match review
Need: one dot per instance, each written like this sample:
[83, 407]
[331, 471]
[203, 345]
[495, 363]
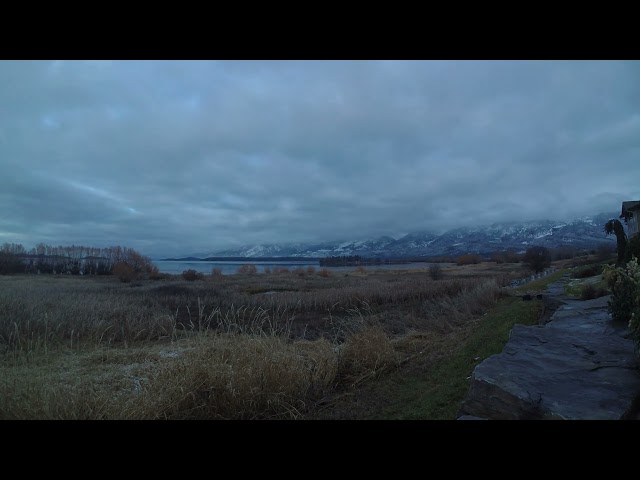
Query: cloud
[173, 157]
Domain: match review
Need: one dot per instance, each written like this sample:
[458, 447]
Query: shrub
[589, 292]
[435, 271]
[468, 259]
[299, 271]
[498, 257]
[216, 272]
[11, 264]
[267, 270]
[624, 305]
[311, 269]
[589, 271]
[248, 269]
[361, 269]
[125, 272]
[154, 273]
[280, 270]
[160, 276]
[537, 258]
[324, 273]
[192, 275]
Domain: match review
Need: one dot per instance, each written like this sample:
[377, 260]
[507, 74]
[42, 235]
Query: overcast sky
[183, 156]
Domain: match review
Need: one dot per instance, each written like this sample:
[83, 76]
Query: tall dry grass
[82, 348]
[447, 312]
[254, 372]
[37, 311]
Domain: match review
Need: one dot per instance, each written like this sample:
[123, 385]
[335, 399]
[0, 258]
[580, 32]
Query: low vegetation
[588, 271]
[507, 256]
[537, 258]
[435, 272]
[280, 345]
[247, 269]
[589, 292]
[624, 306]
[192, 275]
[468, 259]
[126, 263]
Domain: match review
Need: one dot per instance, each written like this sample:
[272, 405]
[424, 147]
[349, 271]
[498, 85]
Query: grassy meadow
[287, 345]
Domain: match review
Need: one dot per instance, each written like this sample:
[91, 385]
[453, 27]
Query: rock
[578, 366]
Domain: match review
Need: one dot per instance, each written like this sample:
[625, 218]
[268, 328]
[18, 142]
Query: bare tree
[537, 258]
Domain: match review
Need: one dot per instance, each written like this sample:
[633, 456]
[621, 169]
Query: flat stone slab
[470, 417]
[578, 366]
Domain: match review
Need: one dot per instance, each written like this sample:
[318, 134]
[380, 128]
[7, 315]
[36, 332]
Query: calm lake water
[231, 268]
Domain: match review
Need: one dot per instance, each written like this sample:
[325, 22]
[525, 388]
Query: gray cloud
[175, 157]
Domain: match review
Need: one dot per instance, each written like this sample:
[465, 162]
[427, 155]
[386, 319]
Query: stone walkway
[578, 366]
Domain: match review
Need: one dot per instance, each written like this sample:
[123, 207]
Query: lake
[231, 267]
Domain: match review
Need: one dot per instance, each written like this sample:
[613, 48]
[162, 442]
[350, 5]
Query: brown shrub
[280, 270]
[248, 269]
[192, 275]
[361, 269]
[299, 271]
[311, 269]
[216, 272]
[125, 272]
[267, 270]
[157, 275]
[324, 272]
[154, 273]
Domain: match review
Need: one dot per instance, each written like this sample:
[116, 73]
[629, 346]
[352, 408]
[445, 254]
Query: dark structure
[630, 212]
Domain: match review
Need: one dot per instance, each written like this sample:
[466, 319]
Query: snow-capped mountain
[586, 232]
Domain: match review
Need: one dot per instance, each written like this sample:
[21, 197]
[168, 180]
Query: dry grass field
[262, 346]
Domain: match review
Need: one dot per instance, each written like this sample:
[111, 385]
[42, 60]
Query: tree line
[73, 259]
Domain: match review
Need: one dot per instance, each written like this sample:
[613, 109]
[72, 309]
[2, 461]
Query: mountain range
[585, 232]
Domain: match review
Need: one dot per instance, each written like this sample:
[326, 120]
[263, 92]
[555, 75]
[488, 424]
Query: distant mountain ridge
[585, 232]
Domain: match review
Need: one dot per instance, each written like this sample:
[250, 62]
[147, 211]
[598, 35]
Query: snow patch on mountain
[585, 232]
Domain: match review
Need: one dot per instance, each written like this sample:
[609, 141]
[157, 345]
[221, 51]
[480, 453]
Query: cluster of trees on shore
[73, 260]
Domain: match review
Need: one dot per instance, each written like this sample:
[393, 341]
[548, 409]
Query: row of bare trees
[71, 259]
